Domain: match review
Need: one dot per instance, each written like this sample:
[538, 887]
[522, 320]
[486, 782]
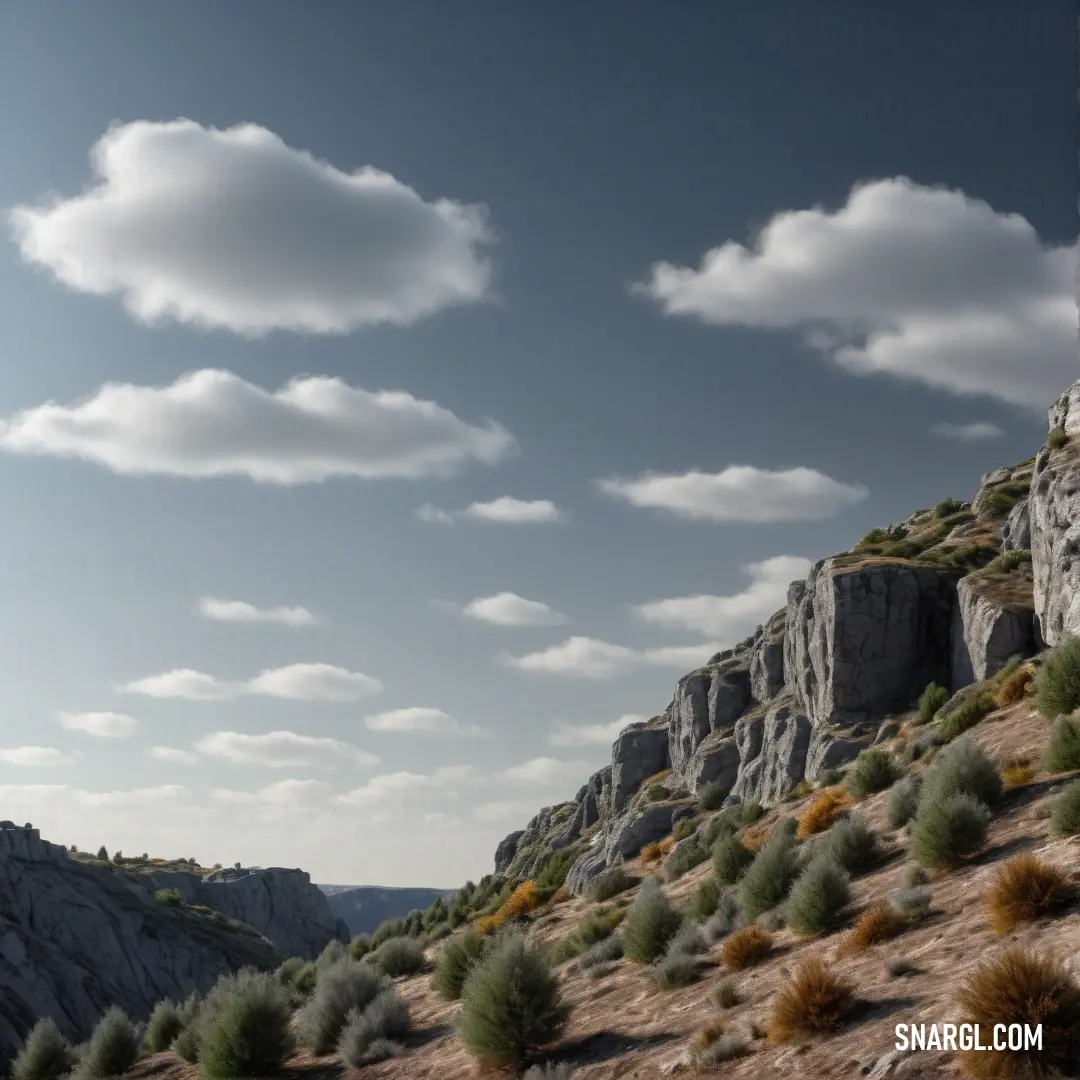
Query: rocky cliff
[76, 937]
[363, 907]
[946, 596]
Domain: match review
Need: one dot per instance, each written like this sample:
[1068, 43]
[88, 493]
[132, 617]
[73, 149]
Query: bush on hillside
[963, 769]
[1014, 687]
[684, 828]
[610, 883]
[1063, 750]
[45, 1054]
[360, 946]
[813, 1001]
[705, 900]
[1056, 438]
[933, 697]
[770, 876]
[730, 859]
[1065, 815]
[164, 1025]
[674, 970]
[688, 941]
[852, 844]
[688, 854]
[249, 1035]
[874, 770]
[549, 1070]
[1025, 889]
[650, 923]
[725, 996]
[596, 926]
[333, 952]
[398, 956]
[724, 919]
[510, 1005]
[903, 801]
[554, 872]
[384, 1020]
[949, 830]
[745, 947]
[947, 507]
[602, 952]
[971, 711]
[712, 796]
[1057, 685]
[339, 989]
[1019, 986]
[875, 925]
[454, 962]
[288, 970]
[1016, 772]
[828, 805]
[113, 1047]
[819, 898]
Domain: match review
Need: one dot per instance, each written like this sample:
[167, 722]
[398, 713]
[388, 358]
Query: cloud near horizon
[545, 770]
[294, 682]
[419, 718]
[104, 725]
[739, 493]
[212, 423]
[35, 757]
[241, 612]
[592, 734]
[590, 658]
[234, 230]
[974, 432]
[509, 609]
[922, 283]
[281, 749]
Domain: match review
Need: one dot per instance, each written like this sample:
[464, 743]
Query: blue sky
[400, 397]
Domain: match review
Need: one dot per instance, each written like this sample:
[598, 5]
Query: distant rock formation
[363, 907]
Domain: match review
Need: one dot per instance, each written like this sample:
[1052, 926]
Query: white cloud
[180, 683]
[509, 609]
[230, 795]
[34, 757]
[918, 282]
[235, 230]
[239, 611]
[448, 774]
[137, 797]
[740, 493]
[280, 749]
[505, 510]
[545, 770]
[293, 792]
[974, 432]
[592, 734]
[171, 753]
[494, 812]
[213, 423]
[731, 618]
[105, 725]
[419, 718]
[438, 820]
[314, 682]
[381, 787]
[590, 658]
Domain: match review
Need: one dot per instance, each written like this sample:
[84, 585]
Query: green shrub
[1006, 563]
[684, 828]
[386, 1019]
[973, 709]
[947, 507]
[874, 770]
[169, 896]
[903, 801]
[674, 971]
[333, 952]
[770, 876]
[730, 859]
[360, 946]
[603, 952]
[287, 972]
[392, 928]
[744, 813]
[610, 883]
[690, 853]
[712, 796]
[963, 769]
[1057, 683]
[596, 926]
[186, 1044]
[164, 1025]
[688, 941]
[829, 778]
[949, 830]
[454, 962]
[1063, 750]
[1056, 438]
[650, 923]
[510, 1004]
[550, 1070]
[45, 1054]
[933, 697]
[724, 919]
[306, 978]
[398, 956]
[657, 793]
[1065, 816]
[554, 871]
[250, 1034]
[852, 844]
[819, 898]
[339, 989]
[705, 899]
[113, 1047]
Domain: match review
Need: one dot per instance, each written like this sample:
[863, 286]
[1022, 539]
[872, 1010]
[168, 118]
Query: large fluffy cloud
[180, 683]
[280, 749]
[213, 423]
[509, 609]
[545, 770]
[591, 658]
[242, 612]
[420, 718]
[105, 725]
[34, 757]
[295, 682]
[729, 618]
[235, 230]
[740, 493]
[923, 283]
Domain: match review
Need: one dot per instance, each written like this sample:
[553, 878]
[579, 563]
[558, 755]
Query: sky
[399, 398]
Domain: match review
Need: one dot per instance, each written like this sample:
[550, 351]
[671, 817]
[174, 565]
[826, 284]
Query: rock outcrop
[641, 751]
[363, 907]
[507, 849]
[76, 938]
[994, 619]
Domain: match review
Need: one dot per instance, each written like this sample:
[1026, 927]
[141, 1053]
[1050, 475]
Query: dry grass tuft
[746, 947]
[667, 845]
[1016, 772]
[823, 811]
[562, 894]
[1015, 687]
[813, 1002]
[651, 853]
[524, 900]
[875, 925]
[755, 837]
[709, 1034]
[1025, 889]
[1019, 986]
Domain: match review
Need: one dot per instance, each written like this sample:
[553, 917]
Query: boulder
[716, 760]
[831, 751]
[639, 752]
[1065, 412]
[994, 619]
[507, 849]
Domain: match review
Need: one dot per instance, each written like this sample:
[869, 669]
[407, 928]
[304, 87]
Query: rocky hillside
[364, 907]
[78, 935]
[945, 596]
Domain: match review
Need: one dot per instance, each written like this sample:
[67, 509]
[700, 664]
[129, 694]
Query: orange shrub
[754, 838]
[827, 806]
[562, 894]
[1016, 771]
[523, 900]
[746, 947]
[813, 1001]
[667, 845]
[1014, 687]
[875, 925]
[1024, 889]
[651, 853]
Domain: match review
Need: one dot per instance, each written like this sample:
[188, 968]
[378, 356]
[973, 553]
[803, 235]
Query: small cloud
[975, 432]
[239, 611]
[419, 718]
[180, 683]
[545, 770]
[136, 797]
[434, 516]
[590, 658]
[281, 749]
[438, 820]
[448, 774]
[314, 682]
[229, 795]
[105, 725]
[740, 493]
[510, 511]
[170, 753]
[293, 792]
[509, 609]
[592, 734]
[495, 812]
[35, 757]
[381, 787]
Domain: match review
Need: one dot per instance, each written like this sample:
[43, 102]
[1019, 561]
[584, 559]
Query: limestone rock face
[75, 939]
[639, 752]
[714, 761]
[863, 638]
[767, 659]
[994, 619]
[780, 761]
[1016, 532]
[507, 849]
[1054, 508]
